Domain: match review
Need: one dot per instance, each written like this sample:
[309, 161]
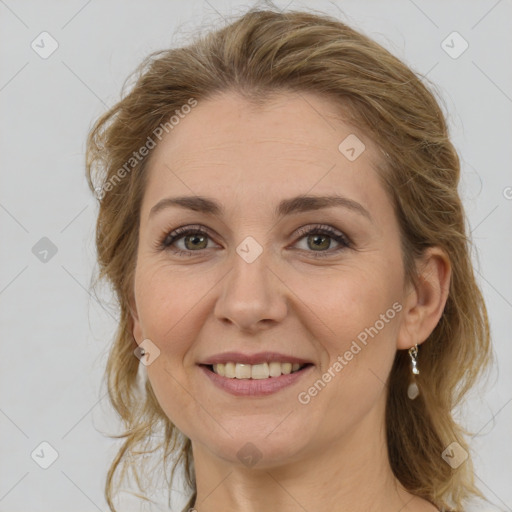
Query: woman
[279, 218]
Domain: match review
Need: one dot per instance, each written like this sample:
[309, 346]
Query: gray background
[55, 334]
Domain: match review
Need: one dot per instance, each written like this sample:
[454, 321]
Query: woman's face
[273, 271]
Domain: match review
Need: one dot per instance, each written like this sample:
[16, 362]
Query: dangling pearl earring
[413, 390]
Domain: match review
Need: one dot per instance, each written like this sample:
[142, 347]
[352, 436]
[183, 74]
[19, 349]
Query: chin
[259, 448]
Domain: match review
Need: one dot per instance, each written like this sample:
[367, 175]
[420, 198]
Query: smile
[255, 371]
[242, 379]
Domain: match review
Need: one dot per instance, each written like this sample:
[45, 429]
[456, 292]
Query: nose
[252, 296]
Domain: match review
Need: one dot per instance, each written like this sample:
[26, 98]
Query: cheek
[345, 303]
[357, 335]
[166, 302]
[354, 318]
[362, 305]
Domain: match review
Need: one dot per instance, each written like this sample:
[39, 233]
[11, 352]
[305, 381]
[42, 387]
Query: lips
[257, 374]
[254, 371]
[253, 359]
[251, 387]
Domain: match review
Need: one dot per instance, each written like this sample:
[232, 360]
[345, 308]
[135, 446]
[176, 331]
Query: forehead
[292, 144]
[302, 123]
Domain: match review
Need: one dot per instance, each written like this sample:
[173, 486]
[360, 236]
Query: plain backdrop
[54, 332]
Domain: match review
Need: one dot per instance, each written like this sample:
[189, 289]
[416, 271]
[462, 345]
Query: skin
[329, 454]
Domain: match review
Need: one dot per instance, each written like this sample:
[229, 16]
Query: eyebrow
[286, 206]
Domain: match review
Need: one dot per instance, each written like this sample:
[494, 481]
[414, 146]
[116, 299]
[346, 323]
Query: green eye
[318, 240]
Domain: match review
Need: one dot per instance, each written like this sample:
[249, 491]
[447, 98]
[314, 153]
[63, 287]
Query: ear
[425, 300]
[136, 326]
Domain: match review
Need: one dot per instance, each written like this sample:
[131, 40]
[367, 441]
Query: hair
[261, 53]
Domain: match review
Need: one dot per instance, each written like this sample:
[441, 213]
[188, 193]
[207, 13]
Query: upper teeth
[254, 371]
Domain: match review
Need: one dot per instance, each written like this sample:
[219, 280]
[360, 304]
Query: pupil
[196, 239]
[319, 245]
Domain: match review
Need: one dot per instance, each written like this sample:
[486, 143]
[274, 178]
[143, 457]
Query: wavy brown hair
[258, 54]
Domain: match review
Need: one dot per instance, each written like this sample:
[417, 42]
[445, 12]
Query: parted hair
[257, 54]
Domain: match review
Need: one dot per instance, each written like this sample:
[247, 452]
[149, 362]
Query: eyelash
[169, 238]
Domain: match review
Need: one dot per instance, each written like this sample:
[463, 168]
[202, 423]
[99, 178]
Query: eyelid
[307, 230]
[322, 228]
[180, 232]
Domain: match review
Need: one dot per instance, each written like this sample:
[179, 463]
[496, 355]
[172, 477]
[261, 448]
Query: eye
[192, 239]
[318, 240]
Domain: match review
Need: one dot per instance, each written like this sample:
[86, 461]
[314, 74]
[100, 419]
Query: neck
[352, 473]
